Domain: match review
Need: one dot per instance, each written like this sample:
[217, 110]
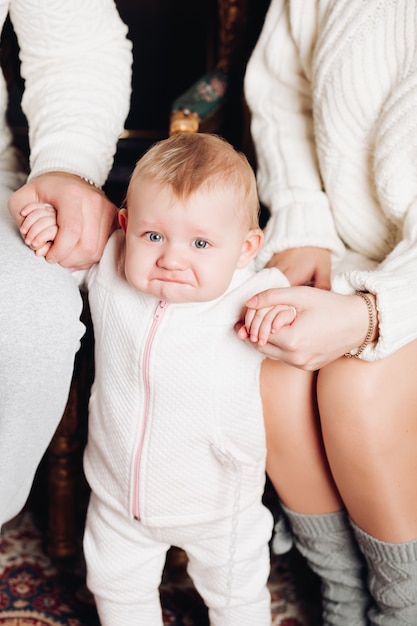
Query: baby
[176, 447]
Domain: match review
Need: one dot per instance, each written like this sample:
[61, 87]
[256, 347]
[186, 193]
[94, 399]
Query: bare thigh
[296, 461]
[368, 413]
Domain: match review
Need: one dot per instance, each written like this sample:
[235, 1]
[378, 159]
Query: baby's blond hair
[188, 162]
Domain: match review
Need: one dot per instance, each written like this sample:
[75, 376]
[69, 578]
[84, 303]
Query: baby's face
[182, 251]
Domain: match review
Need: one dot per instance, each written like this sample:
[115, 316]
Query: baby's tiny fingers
[253, 321]
[36, 206]
[46, 235]
[249, 315]
[283, 317]
[44, 250]
[293, 311]
[275, 319]
[267, 326]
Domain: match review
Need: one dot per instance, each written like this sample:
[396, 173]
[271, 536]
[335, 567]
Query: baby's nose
[173, 259]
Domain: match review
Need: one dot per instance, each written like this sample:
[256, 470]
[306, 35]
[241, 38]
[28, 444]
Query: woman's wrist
[373, 331]
[78, 177]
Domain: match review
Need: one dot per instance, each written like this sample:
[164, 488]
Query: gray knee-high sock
[392, 579]
[327, 542]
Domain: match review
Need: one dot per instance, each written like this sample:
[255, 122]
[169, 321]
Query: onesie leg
[40, 332]
[124, 568]
[230, 568]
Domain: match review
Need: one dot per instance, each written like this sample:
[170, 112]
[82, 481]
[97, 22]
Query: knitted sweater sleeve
[394, 281]
[278, 92]
[76, 64]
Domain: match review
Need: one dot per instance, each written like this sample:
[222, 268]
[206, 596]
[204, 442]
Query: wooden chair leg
[67, 488]
[63, 454]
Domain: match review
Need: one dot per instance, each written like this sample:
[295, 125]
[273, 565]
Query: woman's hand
[326, 325]
[304, 266]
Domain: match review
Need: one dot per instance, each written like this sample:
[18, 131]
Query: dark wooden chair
[67, 490]
[205, 106]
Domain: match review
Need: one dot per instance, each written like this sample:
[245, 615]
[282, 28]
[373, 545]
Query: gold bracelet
[89, 181]
[371, 326]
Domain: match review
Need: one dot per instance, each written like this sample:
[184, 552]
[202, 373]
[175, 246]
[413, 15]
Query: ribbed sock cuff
[316, 525]
[374, 548]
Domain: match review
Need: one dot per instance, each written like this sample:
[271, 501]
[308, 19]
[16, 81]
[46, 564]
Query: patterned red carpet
[34, 592]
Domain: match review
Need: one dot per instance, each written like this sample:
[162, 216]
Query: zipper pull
[160, 309]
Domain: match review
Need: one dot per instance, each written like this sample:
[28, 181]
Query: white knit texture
[76, 62]
[351, 66]
[204, 432]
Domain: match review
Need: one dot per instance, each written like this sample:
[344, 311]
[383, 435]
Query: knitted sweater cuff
[396, 299]
[71, 157]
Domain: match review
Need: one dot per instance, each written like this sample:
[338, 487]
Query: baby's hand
[39, 227]
[259, 324]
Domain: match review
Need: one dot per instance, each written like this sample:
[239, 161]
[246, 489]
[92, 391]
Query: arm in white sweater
[76, 63]
[381, 111]
[394, 281]
[278, 91]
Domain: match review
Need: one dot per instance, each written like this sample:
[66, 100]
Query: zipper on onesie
[159, 311]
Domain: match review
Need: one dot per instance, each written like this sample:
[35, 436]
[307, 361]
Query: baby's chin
[176, 293]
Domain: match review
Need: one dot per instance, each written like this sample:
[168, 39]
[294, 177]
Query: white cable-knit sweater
[76, 63]
[176, 430]
[332, 86]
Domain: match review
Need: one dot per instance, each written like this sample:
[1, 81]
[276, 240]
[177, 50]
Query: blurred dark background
[175, 42]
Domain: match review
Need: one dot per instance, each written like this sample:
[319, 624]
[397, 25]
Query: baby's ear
[251, 246]
[122, 217]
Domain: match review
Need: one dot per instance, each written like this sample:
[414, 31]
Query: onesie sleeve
[278, 92]
[76, 64]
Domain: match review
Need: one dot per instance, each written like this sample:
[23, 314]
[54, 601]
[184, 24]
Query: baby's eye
[156, 237]
[200, 244]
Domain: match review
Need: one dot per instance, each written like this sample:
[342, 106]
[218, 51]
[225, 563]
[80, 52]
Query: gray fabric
[39, 335]
[282, 541]
[327, 542]
[392, 579]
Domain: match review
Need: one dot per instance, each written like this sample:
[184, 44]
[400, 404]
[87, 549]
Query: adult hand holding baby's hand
[326, 325]
[85, 216]
[260, 323]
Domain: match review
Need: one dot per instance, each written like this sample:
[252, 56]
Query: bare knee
[289, 402]
[366, 408]
[349, 395]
